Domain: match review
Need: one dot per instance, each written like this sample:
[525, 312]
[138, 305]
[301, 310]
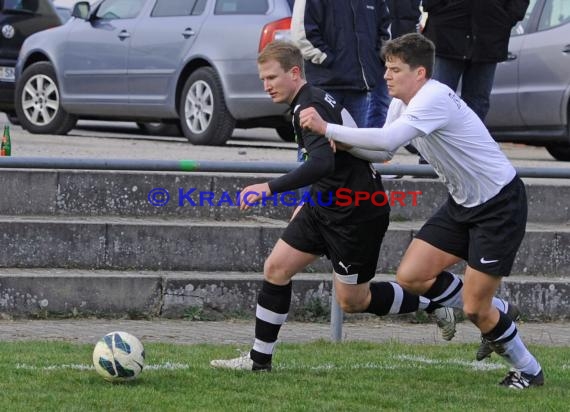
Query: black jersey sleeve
[320, 162]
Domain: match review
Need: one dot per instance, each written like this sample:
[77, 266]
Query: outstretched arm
[374, 156]
[388, 138]
[319, 164]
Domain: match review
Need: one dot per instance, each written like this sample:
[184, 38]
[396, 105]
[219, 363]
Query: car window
[23, 5]
[555, 13]
[241, 7]
[64, 13]
[169, 8]
[120, 9]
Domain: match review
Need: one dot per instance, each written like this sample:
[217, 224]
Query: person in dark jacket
[401, 21]
[404, 16]
[340, 41]
[471, 37]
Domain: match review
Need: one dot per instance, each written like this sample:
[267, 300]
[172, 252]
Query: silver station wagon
[188, 63]
[530, 101]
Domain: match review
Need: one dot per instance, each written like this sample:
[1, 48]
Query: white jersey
[455, 142]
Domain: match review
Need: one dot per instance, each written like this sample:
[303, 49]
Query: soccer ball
[118, 357]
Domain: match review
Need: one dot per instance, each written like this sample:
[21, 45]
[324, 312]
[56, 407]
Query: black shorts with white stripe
[486, 236]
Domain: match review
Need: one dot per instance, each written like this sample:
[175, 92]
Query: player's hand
[252, 194]
[310, 119]
[333, 145]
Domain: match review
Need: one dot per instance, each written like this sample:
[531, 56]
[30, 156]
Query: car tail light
[276, 30]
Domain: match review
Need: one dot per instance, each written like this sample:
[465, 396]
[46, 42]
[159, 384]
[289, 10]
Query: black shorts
[486, 236]
[352, 248]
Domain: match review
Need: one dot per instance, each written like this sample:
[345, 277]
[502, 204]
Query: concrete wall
[62, 232]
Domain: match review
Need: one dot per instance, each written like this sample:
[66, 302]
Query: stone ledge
[50, 293]
[124, 193]
[138, 244]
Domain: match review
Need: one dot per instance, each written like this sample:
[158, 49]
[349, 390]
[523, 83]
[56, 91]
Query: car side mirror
[81, 10]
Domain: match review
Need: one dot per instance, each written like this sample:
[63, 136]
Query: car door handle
[124, 35]
[511, 56]
[566, 49]
[188, 32]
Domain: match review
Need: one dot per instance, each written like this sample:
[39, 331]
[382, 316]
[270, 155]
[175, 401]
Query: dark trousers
[476, 81]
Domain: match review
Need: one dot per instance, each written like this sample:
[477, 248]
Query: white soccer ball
[118, 357]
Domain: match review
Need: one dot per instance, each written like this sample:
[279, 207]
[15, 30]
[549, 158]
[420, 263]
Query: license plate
[7, 74]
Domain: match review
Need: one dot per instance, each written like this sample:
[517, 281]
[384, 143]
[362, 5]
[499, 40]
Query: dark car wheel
[204, 117]
[559, 151]
[38, 102]
[13, 119]
[160, 129]
[286, 133]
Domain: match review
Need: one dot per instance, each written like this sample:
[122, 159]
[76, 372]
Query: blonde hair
[285, 53]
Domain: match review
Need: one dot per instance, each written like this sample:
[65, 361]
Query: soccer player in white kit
[483, 220]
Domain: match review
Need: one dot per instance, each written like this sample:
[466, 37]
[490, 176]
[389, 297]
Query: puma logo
[344, 267]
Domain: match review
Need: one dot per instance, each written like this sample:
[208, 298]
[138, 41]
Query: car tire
[559, 151]
[160, 129]
[204, 117]
[286, 133]
[43, 112]
[13, 119]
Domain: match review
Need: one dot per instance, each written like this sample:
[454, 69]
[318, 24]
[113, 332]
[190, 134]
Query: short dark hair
[413, 49]
[286, 53]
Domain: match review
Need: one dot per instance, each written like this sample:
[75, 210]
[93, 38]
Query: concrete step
[198, 244]
[121, 193]
[46, 293]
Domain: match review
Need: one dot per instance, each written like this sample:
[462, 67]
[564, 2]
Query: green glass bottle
[3, 144]
[6, 147]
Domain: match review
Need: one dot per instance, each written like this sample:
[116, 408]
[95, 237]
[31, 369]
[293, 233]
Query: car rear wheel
[204, 117]
[38, 102]
[559, 151]
[160, 129]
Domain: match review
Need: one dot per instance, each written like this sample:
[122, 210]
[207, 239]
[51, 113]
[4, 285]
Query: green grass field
[320, 376]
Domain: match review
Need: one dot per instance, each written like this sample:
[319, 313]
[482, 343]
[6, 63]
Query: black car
[18, 20]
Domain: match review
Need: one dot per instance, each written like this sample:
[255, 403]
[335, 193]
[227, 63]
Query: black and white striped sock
[390, 298]
[506, 341]
[446, 290]
[273, 305]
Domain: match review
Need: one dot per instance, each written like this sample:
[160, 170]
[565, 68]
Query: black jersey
[335, 178]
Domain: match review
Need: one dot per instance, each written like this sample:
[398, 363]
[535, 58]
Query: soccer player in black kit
[349, 235]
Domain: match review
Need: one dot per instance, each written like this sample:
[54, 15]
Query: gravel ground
[122, 140]
[241, 332]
